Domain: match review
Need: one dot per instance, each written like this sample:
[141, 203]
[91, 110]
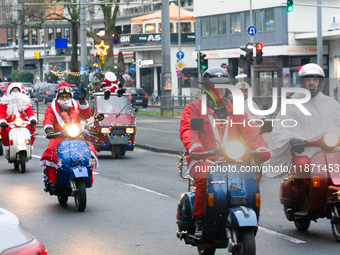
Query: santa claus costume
[57, 114]
[12, 106]
[110, 82]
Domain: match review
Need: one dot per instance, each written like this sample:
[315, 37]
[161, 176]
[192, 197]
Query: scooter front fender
[241, 216]
[78, 172]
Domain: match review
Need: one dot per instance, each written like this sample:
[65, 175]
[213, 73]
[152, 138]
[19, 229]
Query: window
[9, 37]
[269, 15]
[247, 20]
[159, 27]
[58, 35]
[182, 3]
[34, 36]
[172, 27]
[222, 25]
[258, 20]
[26, 38]
[186, 27]
[150, 28]
[137, 28]
[67, 34]
[235, 23]
[205, 26]
[189, 2]
[50, 34]
[213, 25]
[16, 36]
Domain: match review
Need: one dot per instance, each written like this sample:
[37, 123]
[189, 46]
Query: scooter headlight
[18, 122]
[73, 130]
[331, 139]
[234, 149]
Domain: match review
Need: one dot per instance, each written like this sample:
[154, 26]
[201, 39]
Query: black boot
[199, 226]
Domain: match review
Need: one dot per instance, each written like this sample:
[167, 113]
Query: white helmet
[312, 70]
[242, 85]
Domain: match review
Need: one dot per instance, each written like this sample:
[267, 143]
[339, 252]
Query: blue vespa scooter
[232, 206]
[74, 166]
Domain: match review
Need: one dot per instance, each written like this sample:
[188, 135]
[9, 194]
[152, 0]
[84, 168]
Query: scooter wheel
[80, 198]
[302, 224]
[202, 251]
[1, 148]
[246, 239]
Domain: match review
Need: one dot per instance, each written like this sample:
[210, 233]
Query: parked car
[75, 91]
[46, 93]
[15, 239]
[3, 88]
[138, 97]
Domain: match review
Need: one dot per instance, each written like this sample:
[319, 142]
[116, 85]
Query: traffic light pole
[252, 42]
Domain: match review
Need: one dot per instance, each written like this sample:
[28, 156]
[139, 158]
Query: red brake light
[146, 95]
[33, 247]
[46, 92]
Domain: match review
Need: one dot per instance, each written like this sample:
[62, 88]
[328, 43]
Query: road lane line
[35, 156]
[148, 190]
[288, 238]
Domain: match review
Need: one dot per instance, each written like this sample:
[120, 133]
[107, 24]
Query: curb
[159, 150]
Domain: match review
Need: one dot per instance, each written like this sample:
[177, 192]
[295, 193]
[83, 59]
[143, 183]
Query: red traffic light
[259, 46]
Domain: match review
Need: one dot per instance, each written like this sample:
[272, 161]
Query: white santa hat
[12, 86]
[64, 87]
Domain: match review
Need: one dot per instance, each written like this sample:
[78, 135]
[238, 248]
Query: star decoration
[103, 46]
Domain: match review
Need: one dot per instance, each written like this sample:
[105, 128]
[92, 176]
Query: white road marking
[148, 190]
[288, 238]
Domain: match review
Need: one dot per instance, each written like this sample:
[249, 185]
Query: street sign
[251, 30]
[179, 74]
[36, 54]
[82, 69]
[132, 69]
[180, 55]
[180, 65]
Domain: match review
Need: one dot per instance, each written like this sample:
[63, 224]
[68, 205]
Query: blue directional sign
[251, 30]
[132, 69]
[82, 69]
[180, 55]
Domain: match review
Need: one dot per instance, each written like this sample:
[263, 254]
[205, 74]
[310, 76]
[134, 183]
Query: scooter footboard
[241, 216]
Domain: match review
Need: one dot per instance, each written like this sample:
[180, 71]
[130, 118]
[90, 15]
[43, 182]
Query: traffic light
[290, 6]
[259, 53]
[249, 53]
[203, 63]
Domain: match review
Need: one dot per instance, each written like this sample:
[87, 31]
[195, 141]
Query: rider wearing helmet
[325, 117]
[221, 130]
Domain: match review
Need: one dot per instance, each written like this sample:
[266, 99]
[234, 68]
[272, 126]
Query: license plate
[139, 101]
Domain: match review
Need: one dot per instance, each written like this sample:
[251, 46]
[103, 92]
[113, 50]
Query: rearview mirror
[99, 117]
[267, 126]
[197, 124]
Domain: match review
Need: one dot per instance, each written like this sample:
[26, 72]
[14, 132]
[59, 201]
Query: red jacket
[54, 119]
[240, 131]
[111, 85]
[26, 114]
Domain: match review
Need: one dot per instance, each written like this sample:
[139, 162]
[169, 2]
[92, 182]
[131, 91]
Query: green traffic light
[290, 8]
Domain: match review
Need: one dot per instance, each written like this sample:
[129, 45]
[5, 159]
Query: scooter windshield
[112, 106]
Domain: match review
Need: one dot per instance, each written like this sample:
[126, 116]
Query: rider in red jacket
[195, 141]
[63, 110]
[15, 105]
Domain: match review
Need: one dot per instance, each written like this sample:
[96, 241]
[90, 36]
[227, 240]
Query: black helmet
[216, 75]
[312, 70]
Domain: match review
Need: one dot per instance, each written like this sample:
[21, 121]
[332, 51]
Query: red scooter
[313, 191]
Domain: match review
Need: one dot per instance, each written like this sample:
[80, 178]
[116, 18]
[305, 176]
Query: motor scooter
[313, 191]
[233, 201]
[19, 144]
[74, 166]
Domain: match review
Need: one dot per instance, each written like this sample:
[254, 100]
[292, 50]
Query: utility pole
[319, 56]
[179, 49]
[83, 47]
[20, 36]
[252, 43]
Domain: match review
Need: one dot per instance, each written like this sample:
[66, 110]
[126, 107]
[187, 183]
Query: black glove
[298, 145]
[33, 122]
[82, 100]
[49, 131]
[4, 125]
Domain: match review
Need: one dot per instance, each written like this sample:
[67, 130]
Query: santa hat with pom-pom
[13, 85]
[64, 88]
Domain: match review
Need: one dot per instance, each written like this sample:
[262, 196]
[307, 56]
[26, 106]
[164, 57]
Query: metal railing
[173, 102]
[35, 107]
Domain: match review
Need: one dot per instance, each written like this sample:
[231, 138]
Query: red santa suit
[12, 107]
[222, 132]
[110, 82]
[56, 119]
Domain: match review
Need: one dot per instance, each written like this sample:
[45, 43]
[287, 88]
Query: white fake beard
[16, 102]
[65, 104]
